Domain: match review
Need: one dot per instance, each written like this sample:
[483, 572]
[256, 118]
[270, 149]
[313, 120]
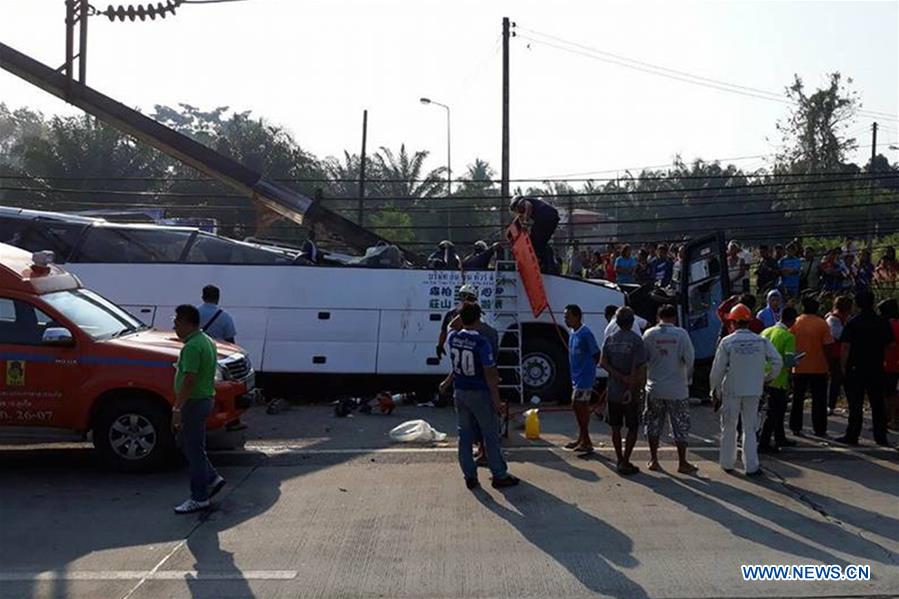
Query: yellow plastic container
[532, 424]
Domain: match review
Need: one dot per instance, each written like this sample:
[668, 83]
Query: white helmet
[468, 289]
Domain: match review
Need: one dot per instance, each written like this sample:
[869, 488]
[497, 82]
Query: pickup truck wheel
[134, 435]
[544, 368]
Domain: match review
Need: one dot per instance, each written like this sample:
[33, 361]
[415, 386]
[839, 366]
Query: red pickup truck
[70, 359]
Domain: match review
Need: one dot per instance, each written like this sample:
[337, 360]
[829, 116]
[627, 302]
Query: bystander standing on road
[889, 309]
[724, 308]
[811, 267]
[770, 314]
[625, 266]
[790, 271]
[583, 356]
[214, 321]
[737, 270]
[663, 267]
[810, 374]
[640, 323]
[865, 340]
[467, 295]
[475, 380]
[864, 271]
[743, 363]
[624, 358]
[643, 273]
[785, 343]
[668, 376]
[768, 272]
[194, 401]
[836, 320]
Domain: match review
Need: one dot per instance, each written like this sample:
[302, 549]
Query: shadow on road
[550, 523]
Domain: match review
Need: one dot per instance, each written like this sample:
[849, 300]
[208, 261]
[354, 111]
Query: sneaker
[506, 481]
[216, 485]
[768, 449]
[472, 483]
[755, 473]
[786, 443]
[885, 443]
[190, 506]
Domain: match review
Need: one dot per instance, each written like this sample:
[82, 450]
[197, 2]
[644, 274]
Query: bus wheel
[544, 369]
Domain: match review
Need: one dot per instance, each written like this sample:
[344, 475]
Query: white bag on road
[416, 431]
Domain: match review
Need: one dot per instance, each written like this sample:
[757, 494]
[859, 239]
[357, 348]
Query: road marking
[268, 449]
[76, 575]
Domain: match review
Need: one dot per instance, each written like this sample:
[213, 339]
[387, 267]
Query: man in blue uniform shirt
[475, 381]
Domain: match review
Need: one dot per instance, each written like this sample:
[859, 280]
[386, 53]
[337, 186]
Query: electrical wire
[670, 73]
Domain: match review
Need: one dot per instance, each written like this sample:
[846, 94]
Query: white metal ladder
[505, 315]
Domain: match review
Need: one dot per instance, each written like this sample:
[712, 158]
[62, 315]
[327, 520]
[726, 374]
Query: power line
[670, 73]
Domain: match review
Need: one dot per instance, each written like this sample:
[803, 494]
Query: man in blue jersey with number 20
[475, 380]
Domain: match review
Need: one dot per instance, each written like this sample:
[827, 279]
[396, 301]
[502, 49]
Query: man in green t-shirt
[194, 401]
[785, 342]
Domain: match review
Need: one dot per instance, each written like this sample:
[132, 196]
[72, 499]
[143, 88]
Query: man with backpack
[214, 321]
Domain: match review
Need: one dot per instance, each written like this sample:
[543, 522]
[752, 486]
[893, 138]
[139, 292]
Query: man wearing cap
[544, 219]
[467, 295]
[743, 363]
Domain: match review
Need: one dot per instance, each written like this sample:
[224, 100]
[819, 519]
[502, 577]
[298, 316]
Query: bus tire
[545, 370]
[134, 434]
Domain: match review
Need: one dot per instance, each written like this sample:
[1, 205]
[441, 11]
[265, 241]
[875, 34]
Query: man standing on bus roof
[544, 219]
[215, 322]
[475, 380]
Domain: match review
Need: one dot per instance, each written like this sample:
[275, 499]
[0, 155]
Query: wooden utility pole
[504, 185]
[360, 211]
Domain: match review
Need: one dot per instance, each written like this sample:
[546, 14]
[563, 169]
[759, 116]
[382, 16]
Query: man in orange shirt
[812, 336]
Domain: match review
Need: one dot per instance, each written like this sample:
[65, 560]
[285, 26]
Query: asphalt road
[325, 507]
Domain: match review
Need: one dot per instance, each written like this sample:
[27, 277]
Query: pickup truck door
[704, 285]
[38, 384]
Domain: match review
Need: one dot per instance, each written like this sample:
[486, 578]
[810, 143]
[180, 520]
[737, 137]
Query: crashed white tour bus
[348, 328]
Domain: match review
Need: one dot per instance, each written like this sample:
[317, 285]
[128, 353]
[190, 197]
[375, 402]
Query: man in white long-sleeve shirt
[743, 364]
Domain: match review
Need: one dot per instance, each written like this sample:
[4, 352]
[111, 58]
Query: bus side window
[132, 245]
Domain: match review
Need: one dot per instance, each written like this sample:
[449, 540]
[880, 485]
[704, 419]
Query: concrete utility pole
[872, 223]
[504, 184]
[76, 13]
[360, 213]
[873, 146]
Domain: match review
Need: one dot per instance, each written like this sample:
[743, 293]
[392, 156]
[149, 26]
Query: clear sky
[313, 65]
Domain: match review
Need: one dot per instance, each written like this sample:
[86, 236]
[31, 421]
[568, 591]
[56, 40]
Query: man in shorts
[624, 358]
[583, 356]
[668, 378]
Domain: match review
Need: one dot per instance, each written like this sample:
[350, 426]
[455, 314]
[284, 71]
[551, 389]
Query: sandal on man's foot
[627, 469]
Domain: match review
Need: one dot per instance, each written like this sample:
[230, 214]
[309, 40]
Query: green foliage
[814, 139]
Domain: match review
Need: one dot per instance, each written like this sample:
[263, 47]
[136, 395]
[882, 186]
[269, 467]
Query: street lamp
[449, 169]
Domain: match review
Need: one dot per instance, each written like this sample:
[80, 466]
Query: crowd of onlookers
[791, 268]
